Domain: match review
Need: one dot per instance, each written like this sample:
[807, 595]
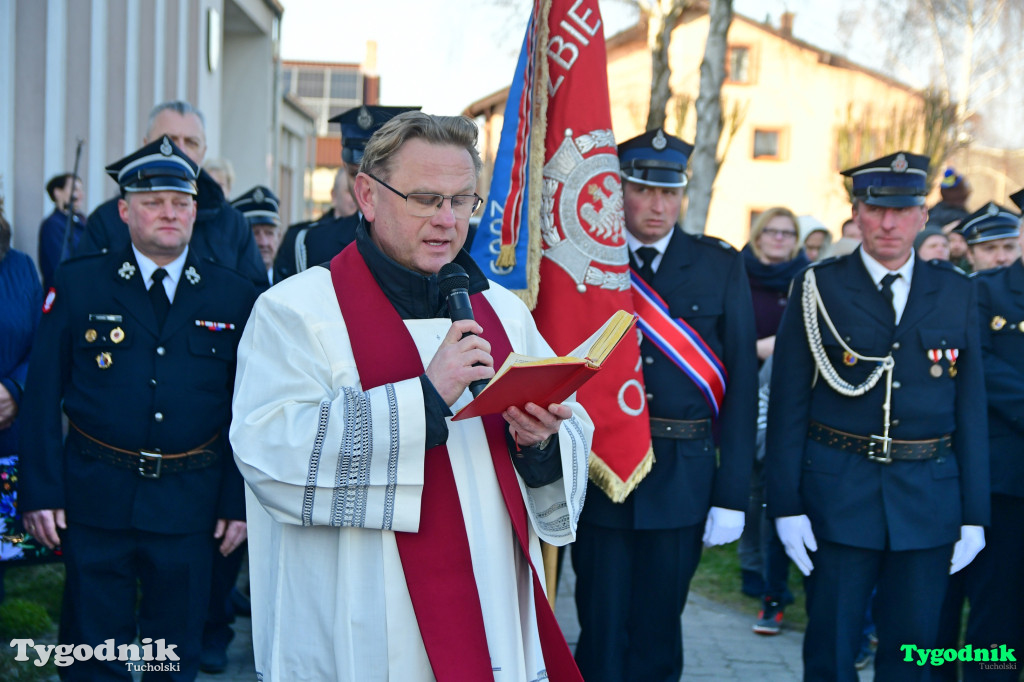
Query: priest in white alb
[387, 542]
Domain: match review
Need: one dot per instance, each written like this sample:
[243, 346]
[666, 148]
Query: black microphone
[454, 284]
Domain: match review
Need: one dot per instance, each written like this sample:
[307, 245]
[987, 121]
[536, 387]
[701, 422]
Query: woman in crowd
[21, 299]
[773, 257]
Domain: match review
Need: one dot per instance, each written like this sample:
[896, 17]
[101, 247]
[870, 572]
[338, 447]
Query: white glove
[972, 541]
[723, 526]
[795, 534]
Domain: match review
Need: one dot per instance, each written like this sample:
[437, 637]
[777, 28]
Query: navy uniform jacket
[704, 282]
[324, 239]
[849, 499]
[221, 233]
[168, 390]
[1001, 315]
[51, 242]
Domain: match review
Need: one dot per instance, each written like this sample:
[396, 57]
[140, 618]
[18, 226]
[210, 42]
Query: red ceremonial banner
[580, 228]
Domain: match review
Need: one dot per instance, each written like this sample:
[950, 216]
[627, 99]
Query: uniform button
[159, 416]
[649, 360]
[894, 422]
[896, 345]
[896, 384]
[695, 307]
[650, 396]
[152, 382]
[213, 351]
[160, 350]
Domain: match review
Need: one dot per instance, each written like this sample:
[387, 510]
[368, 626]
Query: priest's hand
[460, 361]
[535, 425]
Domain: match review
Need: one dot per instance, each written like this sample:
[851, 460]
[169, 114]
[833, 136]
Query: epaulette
[81, 257]
[715, 241]
[825, 261]
[946, 265]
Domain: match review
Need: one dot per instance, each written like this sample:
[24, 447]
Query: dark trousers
[631, 587]
[217, 632]
[910, 588]
[105, 569]
[993, 584]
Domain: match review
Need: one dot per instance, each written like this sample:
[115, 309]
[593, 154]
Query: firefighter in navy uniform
[877, 446]
[994, 582]
[307, 244]
[634, 560]
[138, 347]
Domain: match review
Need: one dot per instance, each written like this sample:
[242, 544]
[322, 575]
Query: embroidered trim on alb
[309, 494]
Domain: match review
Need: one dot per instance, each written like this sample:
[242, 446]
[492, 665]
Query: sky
[445, 54]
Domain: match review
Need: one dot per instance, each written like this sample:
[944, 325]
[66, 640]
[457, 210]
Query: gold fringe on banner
[613, 486]
[507, 256]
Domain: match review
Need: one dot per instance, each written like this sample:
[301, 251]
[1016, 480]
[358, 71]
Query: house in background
[791, 103]
[93, 70]
[327, 89]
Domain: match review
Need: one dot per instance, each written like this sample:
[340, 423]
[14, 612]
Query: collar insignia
[127, 270]
[191, 275]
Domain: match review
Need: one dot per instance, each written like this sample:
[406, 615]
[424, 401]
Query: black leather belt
[872, 447]
[680, 429]
[149, 463]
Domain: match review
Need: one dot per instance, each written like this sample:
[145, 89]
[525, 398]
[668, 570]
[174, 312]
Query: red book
[523, 379]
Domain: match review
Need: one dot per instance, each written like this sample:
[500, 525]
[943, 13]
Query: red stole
[436, 559]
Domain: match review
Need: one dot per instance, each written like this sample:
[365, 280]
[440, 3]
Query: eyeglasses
[427, 204]
[779, 234]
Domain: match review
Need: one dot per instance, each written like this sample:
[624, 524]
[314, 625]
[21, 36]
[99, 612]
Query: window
[737, 64]
[344, 85]
[767, 144]
[310, 83]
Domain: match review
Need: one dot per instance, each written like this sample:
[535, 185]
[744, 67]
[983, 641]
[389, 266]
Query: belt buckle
[886, 445]
[146, 457]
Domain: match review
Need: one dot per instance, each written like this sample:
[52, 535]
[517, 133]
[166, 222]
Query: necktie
[647, 254]
[158, 296]
[887, 289]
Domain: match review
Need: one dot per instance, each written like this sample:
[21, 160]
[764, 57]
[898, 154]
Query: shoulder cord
[300, 250]
[812, 304]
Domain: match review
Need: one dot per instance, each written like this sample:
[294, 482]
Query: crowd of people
[181, 390]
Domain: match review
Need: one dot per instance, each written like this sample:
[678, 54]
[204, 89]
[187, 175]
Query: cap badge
[127, 270]
[992, 209]
[659, 142]
[258, 196]
[899, 164]
[364, 120]
[191, 275]
[165, 148]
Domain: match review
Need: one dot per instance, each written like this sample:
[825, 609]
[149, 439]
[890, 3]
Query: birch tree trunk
[662, 16]
[704, 162]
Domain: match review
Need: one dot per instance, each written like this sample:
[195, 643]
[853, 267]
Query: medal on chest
[936, 369]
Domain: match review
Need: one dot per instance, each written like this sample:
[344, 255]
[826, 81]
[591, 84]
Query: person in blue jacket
[877, 446]
[634, 560]
[137, 348]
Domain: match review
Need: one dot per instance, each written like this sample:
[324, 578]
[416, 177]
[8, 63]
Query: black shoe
[769, 619]
[213, 659]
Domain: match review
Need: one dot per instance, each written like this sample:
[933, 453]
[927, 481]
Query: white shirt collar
[878, 271]
[659, 245]
[147, 267]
